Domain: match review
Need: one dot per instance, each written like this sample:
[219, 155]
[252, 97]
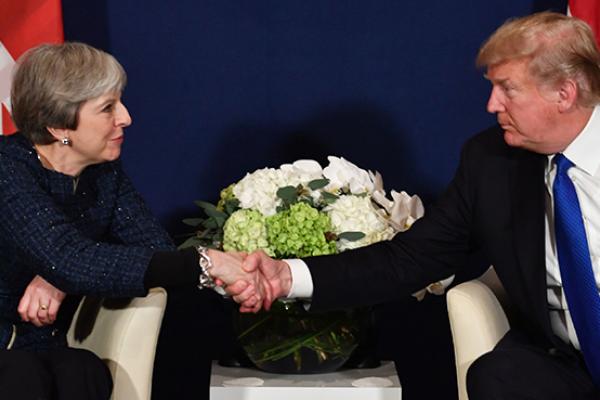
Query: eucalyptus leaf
[190, 242]
[216, 214]
[351, 236]
[289, 194]
[231, 206]
[207, 233]
[329, 198]
[220, 220]
[205, 205]
[210, 223]
[193, 221]
[318, 183]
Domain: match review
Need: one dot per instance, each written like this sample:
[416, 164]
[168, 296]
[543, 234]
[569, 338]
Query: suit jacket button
[54, 332]
[553, 351]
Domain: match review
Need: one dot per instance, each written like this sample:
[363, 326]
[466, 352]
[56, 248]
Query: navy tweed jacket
[95, 237]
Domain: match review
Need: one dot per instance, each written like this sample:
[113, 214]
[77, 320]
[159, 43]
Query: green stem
[256, 325]
[291, 347]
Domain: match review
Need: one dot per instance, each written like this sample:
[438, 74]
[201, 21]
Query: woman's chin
[113, 155]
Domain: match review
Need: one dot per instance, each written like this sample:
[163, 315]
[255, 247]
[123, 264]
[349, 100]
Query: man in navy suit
[545, 76]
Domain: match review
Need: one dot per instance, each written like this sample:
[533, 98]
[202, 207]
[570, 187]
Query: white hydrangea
[343, 174]
[357, 214]
[302, 172]
[258, 190]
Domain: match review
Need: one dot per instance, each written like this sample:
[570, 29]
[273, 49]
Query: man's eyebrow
[497, 80]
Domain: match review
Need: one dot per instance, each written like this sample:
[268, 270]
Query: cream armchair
[477, 322]
[124, 334]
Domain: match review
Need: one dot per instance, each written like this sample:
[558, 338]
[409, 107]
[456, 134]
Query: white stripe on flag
[6, 66]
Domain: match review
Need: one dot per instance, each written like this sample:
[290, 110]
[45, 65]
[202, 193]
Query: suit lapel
[528, 206]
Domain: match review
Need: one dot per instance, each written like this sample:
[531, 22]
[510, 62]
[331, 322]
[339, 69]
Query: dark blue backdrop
[218, 88]
[221, 87]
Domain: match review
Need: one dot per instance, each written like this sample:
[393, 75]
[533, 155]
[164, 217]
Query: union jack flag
[23, 24]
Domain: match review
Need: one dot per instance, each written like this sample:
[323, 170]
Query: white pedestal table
[353, 384]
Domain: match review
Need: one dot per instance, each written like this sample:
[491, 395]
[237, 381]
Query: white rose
[342, 173]
[357, 214]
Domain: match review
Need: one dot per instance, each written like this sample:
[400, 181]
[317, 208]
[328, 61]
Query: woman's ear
[59, 133]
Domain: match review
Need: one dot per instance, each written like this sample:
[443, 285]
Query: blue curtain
[218, 88]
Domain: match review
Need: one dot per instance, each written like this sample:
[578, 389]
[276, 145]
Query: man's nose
[495, 104]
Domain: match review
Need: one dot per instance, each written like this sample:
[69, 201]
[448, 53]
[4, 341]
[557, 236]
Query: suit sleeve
[434, 248]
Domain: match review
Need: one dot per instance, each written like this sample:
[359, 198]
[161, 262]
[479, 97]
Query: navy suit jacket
[494, 205]
[94, 237]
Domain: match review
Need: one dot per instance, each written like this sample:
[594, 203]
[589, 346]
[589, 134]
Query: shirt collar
[583, 151]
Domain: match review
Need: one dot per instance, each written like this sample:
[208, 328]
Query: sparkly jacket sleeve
[132, 221]
[40, 236]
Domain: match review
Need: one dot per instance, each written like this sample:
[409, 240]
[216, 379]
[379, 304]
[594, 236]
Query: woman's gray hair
[52, 81]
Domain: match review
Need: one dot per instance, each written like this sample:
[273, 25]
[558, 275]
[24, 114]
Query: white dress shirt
[584, 152]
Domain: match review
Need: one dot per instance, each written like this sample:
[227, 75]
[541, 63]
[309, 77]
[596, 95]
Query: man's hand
[275, 277]
[40, 302]
[245, 287]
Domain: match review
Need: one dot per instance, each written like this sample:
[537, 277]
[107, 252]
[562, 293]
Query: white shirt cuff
[302, 284]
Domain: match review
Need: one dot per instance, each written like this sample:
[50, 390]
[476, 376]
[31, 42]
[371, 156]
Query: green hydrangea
[245, 230]
[226, 194]
[299, 232]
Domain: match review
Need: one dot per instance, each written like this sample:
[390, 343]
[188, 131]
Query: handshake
[253, 280]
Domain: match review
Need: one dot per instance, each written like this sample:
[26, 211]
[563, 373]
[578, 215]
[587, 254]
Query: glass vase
[288, 339]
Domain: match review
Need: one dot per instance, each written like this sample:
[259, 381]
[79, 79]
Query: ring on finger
[44, 307]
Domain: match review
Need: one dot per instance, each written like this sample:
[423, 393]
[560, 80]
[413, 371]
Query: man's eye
[508, 90]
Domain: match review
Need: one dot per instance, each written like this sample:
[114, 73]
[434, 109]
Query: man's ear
[568, 93]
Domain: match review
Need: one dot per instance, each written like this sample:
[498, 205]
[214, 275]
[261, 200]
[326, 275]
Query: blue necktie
[576, 267]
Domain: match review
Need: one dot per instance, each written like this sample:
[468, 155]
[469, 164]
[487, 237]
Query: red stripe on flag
[589, 11]
[26, 23]
[7, 125]
[23, 25]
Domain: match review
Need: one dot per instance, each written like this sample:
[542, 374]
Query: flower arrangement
[300, 210]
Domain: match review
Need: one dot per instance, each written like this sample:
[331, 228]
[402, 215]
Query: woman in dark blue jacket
[72, 222]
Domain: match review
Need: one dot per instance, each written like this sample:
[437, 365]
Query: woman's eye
[107, 108]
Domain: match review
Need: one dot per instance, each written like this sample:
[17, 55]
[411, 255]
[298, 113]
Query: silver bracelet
[205, 263]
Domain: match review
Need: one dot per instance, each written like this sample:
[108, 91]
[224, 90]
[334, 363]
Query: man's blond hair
[558, 47]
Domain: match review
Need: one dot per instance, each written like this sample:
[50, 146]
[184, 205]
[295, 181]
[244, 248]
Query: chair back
[123, 333]
[477, 322]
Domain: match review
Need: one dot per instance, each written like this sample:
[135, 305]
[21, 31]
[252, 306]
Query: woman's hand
[245, 287]
[40, 302]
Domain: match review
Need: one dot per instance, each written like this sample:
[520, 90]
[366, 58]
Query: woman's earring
[66, 141]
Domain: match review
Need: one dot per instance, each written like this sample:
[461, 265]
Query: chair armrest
[124, 334]
[477, 322]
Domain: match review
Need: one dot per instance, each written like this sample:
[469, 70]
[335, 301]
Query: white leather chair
[124, 334]
[477, 321]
